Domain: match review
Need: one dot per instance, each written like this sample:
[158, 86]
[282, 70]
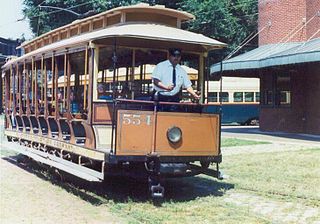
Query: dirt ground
[39, 201]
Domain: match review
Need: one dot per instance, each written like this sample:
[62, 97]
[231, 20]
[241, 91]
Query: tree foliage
[229, 21]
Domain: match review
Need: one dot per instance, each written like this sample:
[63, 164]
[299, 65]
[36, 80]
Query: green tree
[229, 21]
[43, 18]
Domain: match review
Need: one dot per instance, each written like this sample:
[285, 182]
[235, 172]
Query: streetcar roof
[146, 35]
[140, 8]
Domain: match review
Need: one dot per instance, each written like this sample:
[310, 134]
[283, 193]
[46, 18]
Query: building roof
[272, 55]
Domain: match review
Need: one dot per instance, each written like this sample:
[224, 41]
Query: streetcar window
[257, 96]
[238, 97]
[224, 97]
[249, 96]
[185, 96]
[212, 97]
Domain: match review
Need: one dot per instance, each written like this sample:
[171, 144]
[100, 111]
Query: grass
[202, 210]
[294, 174]
[228, 142]
[285, 176]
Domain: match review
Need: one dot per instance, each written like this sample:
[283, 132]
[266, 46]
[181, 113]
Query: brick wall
[283, 17]
[303, 115]
[313, 8]
[312, 106]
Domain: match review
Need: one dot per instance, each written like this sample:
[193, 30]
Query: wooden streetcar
[93, 124]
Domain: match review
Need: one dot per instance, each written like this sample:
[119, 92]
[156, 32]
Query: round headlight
[174, 134]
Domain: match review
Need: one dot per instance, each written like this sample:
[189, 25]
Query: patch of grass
[228, 142]
[288, 176]
[294, 174]
[188, 200]
[201, 210]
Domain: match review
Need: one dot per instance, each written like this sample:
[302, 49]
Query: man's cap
[175, 51]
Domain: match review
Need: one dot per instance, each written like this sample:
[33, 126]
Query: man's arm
[158, 83]
[188, 85]
[193, 93]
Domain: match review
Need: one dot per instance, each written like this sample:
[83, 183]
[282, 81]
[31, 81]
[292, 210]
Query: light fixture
[174, 134]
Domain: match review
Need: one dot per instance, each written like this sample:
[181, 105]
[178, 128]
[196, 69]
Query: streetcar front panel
[167, 134]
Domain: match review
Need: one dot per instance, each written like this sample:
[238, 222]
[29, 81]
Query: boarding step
[57, 162]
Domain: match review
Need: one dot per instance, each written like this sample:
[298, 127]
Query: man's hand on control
[170, 87]
[196, 96]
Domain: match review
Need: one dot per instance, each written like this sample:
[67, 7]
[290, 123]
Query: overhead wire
[92, 1]
[48, 13]
[286, 38]
[284, 41]
[59, 10]
[236, 5]
[281, 40]
[241, 46]
[245, 40]
[312, 36]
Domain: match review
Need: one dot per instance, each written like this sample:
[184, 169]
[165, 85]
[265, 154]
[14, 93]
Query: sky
[10, 12]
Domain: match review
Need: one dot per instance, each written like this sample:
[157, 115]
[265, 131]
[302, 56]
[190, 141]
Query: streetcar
[101, 119]
[238, 99]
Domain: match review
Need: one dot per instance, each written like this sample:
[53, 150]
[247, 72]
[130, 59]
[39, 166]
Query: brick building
[287, 62]
[285, 17]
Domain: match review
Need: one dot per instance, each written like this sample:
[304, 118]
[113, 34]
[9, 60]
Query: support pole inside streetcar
[114, 60]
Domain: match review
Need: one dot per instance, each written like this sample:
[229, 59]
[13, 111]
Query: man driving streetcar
[169, 77]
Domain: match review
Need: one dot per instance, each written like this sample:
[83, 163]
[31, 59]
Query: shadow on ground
[122, 189]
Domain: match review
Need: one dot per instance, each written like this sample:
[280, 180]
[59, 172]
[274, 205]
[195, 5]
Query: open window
[78, 96]
[223, 97]
[257, 97]
[249, 97]
[238, 97]
[212, 97]
[133, 71]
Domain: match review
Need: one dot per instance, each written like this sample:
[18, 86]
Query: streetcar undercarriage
[153, 168]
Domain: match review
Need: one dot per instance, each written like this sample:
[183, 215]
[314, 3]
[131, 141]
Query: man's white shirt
[163, 72]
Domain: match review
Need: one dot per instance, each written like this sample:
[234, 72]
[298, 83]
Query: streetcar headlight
[174, 134]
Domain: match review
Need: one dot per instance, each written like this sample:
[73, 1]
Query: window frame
[275, 91]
